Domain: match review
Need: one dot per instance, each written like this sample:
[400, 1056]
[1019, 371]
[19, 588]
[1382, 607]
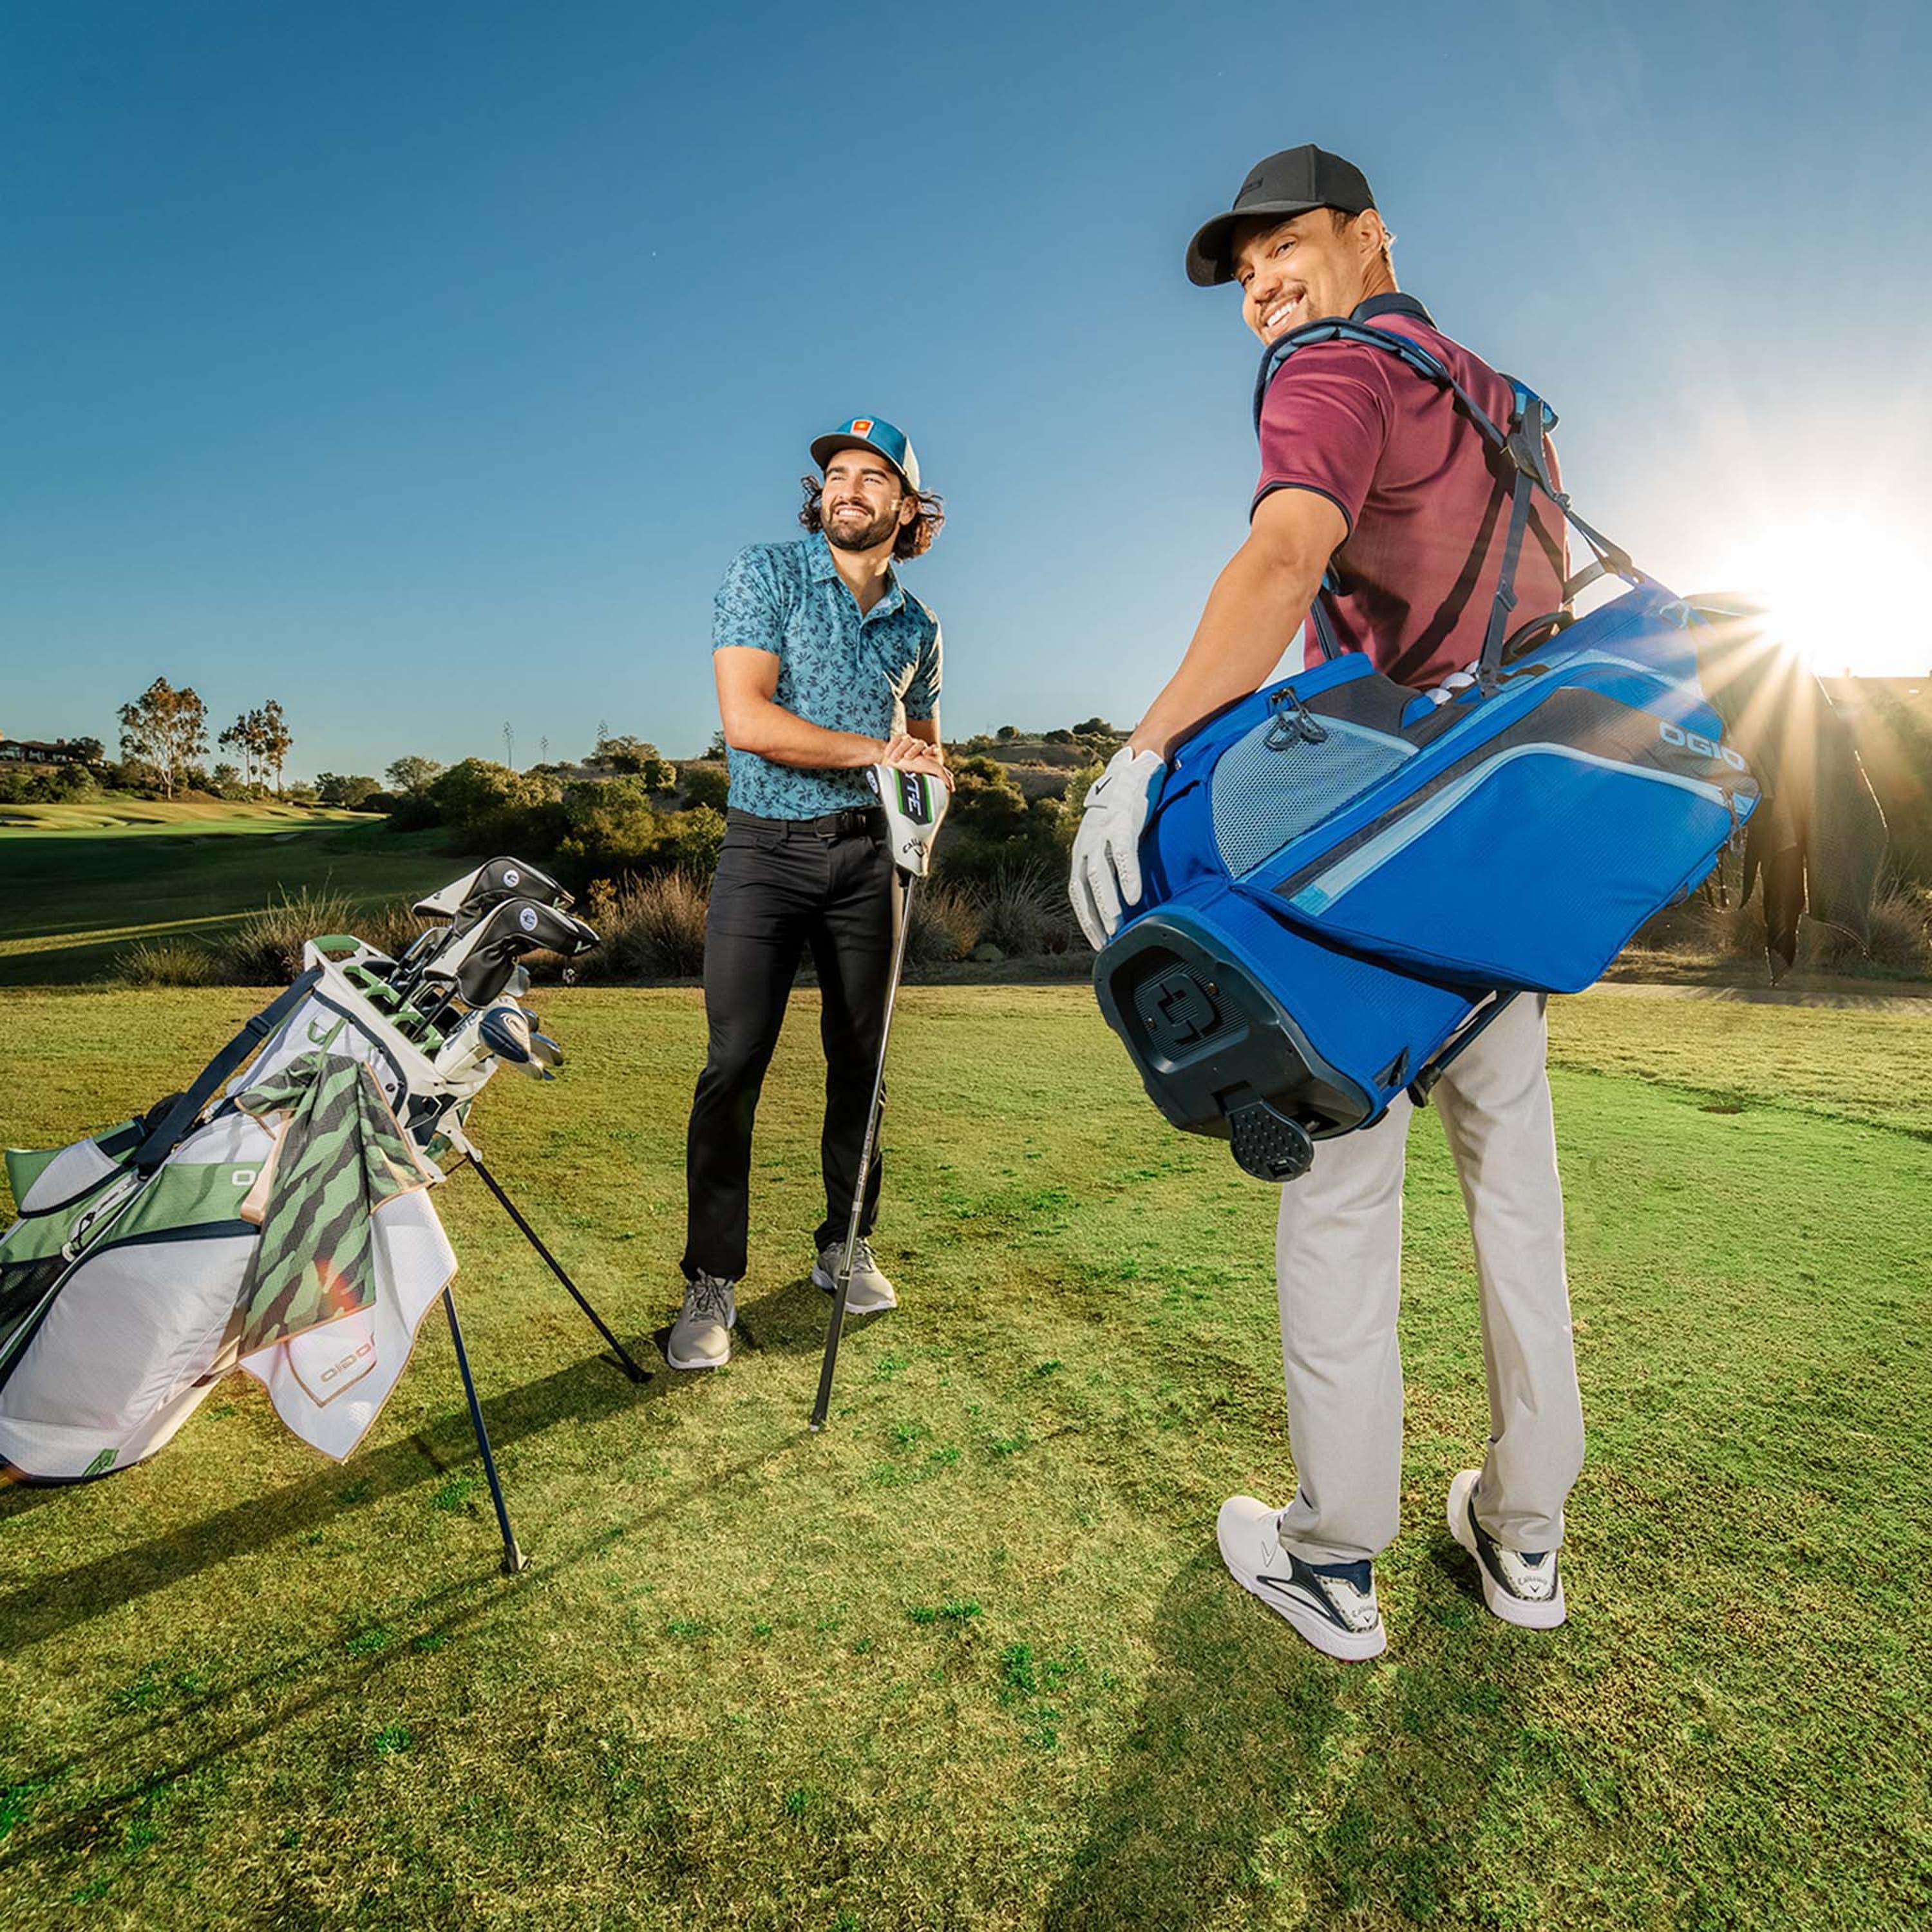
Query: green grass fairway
[81, 883]
[969, 1660]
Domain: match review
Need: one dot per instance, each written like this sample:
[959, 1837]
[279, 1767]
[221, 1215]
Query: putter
[914, 804]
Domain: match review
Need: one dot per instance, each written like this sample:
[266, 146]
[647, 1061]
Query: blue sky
[422, 366]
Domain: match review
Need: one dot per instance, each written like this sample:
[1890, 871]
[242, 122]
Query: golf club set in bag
[276, 1216]
[1346, 880]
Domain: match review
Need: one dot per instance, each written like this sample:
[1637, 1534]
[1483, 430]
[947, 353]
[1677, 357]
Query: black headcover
[512, 929]
[1818, 839]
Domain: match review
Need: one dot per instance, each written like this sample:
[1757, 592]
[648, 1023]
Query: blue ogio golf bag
[1347, 879]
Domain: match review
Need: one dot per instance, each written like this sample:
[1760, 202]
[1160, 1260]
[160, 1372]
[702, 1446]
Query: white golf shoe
[700, 1337]
[1523, 1587]
[870, 1293]
[1332, 1605]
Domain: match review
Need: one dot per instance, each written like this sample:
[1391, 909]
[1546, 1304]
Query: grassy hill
[969, 1659]
[78, 884]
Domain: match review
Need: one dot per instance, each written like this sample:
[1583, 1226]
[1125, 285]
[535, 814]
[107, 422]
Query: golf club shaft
[530, 1235]
[843, 1285]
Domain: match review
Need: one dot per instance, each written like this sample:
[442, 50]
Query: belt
[854, 820]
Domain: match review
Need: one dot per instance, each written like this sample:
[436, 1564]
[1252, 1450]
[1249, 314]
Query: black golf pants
[782, 886]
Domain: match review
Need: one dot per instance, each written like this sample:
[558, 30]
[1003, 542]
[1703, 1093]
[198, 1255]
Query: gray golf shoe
[700, 1337]
[870, 1293]
[1523, 1587]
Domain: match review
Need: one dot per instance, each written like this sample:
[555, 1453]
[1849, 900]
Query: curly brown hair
[914, 538]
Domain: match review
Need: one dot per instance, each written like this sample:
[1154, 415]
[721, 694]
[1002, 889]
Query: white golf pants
[1338, 1272]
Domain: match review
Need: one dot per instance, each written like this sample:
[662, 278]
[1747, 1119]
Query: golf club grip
[840, 1287]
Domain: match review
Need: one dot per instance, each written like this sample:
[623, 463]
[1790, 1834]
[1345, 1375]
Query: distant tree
[717, 748]
[273, 739]
[226, 775]
[89, 750]
[165, 728]
[633, 757]
[1057, 738]
[509, 744]
[240, 736]
[413, 774]
[351, 794]
[1095, 728]
[1007, 733]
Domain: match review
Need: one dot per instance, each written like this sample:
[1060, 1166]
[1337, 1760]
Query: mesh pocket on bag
[1263, 797]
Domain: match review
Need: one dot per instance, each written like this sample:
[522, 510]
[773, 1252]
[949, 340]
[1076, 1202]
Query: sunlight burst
[1848, 593]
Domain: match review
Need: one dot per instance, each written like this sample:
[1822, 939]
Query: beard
[858, 532]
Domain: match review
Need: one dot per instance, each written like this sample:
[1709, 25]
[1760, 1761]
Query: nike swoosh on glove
[1106, 850]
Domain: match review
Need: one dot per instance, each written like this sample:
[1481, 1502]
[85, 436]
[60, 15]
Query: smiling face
[1318, 264]
[866, 500]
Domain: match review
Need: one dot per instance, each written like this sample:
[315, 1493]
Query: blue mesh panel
[1263, 797]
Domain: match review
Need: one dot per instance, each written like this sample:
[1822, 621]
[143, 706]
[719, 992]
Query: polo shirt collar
[818, 556]
[1394, 304]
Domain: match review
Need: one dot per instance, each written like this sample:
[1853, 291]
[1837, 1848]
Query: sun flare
[1848, 593]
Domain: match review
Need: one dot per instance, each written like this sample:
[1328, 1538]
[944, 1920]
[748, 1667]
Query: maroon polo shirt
[1427, 513]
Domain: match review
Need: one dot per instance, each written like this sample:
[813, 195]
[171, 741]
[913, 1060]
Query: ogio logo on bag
[348, 1362]
[1693, 741]
[511, 877]
[101, 1463]
[527, 919]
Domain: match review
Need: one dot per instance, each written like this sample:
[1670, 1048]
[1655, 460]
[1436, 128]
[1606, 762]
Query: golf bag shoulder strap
[1522, 445]
[173, 1127]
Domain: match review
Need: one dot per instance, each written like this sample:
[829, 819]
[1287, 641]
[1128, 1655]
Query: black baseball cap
[1289, 183]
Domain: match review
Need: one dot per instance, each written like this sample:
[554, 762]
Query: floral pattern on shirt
[847, 672]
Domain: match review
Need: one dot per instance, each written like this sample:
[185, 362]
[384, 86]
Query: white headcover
[914, 804]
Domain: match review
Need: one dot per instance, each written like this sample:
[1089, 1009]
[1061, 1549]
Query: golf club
[914, 804]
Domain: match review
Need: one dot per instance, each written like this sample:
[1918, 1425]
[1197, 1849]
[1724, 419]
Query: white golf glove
[1106, 850]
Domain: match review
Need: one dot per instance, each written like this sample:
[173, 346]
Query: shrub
[1901, 937]
[266, 949]
[489, 808]
[651, 928]
[699, 839]
[1025, 910]
[945, 925]
[168, 962]
[705, 784]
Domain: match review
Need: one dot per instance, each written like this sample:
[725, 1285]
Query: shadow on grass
[1258, 1770]
[479, 1598]
[587, 1391]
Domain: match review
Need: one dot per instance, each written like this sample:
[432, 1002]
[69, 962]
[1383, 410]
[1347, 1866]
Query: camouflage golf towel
[340, 1154]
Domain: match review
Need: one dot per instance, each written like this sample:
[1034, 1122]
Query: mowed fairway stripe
[969, 1659]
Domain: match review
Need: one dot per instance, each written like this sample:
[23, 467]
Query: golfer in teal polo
[826, 666]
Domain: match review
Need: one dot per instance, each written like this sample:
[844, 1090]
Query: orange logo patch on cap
[862, 426]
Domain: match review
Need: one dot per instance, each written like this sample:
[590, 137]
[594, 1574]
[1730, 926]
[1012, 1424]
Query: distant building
[37, 751]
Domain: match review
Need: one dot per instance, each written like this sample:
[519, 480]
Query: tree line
[165, 730]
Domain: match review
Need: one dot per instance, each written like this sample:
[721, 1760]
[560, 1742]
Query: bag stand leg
[1423, 1084]
[514, 1558]
[843, 1287]
[630, 1367]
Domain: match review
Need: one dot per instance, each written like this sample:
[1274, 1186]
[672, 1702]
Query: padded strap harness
[173, 1127]
[1522, 446]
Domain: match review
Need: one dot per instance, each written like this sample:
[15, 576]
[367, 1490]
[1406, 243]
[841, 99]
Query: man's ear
[908, 507]
[1372, 234]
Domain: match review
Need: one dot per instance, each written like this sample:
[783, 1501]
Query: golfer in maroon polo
[1369, 473]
